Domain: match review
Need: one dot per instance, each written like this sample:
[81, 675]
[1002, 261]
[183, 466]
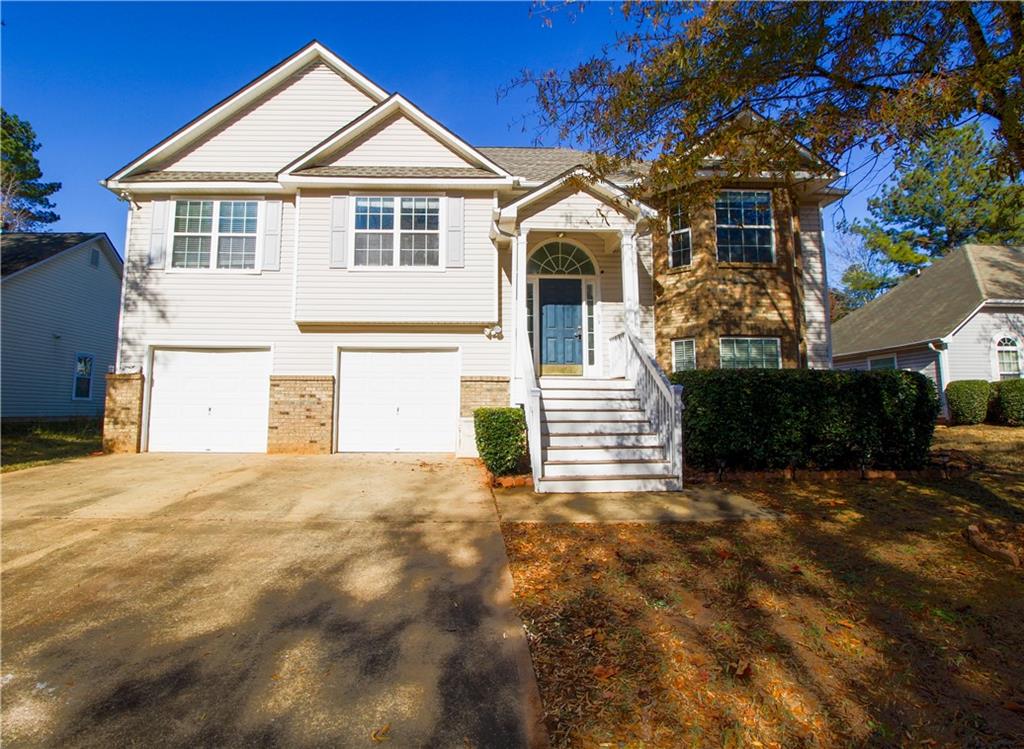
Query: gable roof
[22, 250]
[932, 305]
[394, 104]
[540, 164]
[222, 110]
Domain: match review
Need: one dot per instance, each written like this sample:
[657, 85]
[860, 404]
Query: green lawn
[25, 445]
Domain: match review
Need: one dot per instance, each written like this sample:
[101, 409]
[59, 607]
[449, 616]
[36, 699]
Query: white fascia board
[394, 182]
[248, 93]
[608, 189]
[190, 187]
[398, 103]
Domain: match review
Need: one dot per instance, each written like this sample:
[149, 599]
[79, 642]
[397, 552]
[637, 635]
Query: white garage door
[209, 400]
[398, 401]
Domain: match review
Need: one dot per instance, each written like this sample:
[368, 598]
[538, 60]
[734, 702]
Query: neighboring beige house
[962, 318]
[60, 293]
[316, 265]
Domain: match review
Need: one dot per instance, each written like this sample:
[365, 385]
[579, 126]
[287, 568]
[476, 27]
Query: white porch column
[521, 337]
[630, 285]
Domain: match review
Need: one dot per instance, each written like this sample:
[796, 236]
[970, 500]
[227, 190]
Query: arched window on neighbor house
[1008, 358]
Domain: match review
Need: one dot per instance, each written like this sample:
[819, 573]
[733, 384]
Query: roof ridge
[968, 251]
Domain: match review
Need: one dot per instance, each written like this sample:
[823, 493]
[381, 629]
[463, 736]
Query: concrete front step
[580, 383]
[590, 404]
[592, 453]
[616, 426]
[604, 414]
[600, 440]
[610, 484]
[555, 470]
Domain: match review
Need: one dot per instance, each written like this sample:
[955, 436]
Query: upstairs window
[416, 234]
[750, 353]
[200, 242]
[743, 226]
[83, 377]
[1008, 357]
[679, 254]
[684, 354]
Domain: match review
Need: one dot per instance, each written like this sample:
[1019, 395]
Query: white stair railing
[661, 400]
[531, 407]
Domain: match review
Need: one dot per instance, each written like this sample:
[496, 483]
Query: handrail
[661, 400]
[531, 408]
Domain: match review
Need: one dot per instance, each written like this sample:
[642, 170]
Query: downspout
[941, 347]
[126, 196]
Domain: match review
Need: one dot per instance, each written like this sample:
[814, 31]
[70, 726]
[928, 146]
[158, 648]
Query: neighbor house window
[83, 377]
[884, 362]
[750, 353]
[1008, 355]
[743, 226]
[679, 253]
[416, 234]
[94, 258]
[200, 241]
[684, 354]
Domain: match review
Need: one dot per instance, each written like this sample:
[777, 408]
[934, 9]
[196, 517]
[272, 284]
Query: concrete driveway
[218, 600]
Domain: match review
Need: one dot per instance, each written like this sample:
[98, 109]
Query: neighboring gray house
[962, 318]
[61, 296]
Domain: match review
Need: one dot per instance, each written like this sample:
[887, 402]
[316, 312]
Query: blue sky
[102, 82]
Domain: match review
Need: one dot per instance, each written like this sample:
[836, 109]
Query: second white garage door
[404, 401]
[209, 400]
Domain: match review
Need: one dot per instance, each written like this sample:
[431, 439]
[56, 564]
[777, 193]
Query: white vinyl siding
[817, 312]
[256, 310]
[684, 354]
[972, 351]
[289, 121]
[51, 313]
[749, 353]
[396, 142]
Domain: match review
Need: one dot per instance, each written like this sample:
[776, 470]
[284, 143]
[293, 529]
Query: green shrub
[500, 438]
[992, 416]
[968, 401]
[759, 419]
[1010, 400]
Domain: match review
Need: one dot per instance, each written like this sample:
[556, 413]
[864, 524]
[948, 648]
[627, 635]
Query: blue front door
[561, 321]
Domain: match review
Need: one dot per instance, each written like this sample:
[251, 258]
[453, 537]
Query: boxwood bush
[500, 438]
[1009, 397]
[968, 401]
[768, 419]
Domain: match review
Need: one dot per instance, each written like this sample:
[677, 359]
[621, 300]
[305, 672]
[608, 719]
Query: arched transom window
[560, 259]
[1008, 355]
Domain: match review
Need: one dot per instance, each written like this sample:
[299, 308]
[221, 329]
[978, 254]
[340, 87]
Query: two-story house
[317, 265]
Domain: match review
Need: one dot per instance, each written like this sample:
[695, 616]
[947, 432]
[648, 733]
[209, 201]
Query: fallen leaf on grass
[381, 734]
[605, 672]
[795, 569]
[1014, 707]
[845, 623]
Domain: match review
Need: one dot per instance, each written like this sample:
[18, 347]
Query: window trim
[396, 267]
[895, 361]
[215, 234]
[74, 376]
[672, 232]
[778, 348]
[997, 374]
[693, 342]
[770, 227]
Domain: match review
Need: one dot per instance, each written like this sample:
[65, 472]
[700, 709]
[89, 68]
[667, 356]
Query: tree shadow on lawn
[282, 635]
[861, 619]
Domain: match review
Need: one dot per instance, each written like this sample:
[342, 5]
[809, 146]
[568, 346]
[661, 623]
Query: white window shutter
[158, 233]
[339, 231]
[272, 235]
[456, 233]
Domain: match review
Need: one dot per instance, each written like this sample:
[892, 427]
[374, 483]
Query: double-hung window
[215, 234]
[743, 226]
[679, 253]
[416, 235]
[1008, 358]
[883, 362]
[83, 377]
[684, 354]
[750, 353]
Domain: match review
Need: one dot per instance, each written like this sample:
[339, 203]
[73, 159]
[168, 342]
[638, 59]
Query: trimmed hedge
[756, 419]
[500, 438]
[968, 401]
[1009, 398]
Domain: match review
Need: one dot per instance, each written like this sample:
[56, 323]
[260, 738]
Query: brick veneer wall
[710, 299]
[122, 414]
[301, 414]
[481, 392]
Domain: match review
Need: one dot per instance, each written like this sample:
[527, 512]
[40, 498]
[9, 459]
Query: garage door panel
[209, 400]
[404, 401]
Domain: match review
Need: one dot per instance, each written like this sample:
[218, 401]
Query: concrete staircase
[595, 437]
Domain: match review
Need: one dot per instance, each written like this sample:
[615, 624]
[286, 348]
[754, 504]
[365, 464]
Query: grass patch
[28, 444]
[860, 619]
